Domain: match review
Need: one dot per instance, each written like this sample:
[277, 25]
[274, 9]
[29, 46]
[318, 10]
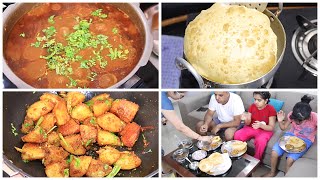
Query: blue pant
[294, 156]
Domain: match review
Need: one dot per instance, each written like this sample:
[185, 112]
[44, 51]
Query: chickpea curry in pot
[73, 45]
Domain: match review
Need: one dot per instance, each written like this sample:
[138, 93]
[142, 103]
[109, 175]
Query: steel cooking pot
[277, 28]
[14, 111]
[15, 11]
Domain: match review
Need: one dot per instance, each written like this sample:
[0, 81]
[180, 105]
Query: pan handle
[182, 64]
[10, 171]
[279, 10]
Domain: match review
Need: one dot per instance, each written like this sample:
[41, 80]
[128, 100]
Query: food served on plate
[234, 148]
[207, 164]
[215, 164]
[71, 45]
[231, 44]
[64, 134]
[238, 147]
[199, 154]
[215, 141]
[295, 144]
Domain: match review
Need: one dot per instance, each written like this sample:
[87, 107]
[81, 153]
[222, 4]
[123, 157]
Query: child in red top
[259, 123]
[303, 125]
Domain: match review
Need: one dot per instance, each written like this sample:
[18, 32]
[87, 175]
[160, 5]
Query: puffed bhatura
[210, 162]
[231, 44]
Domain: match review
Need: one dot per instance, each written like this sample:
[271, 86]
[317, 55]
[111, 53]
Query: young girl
[259, 123]
[303, 125]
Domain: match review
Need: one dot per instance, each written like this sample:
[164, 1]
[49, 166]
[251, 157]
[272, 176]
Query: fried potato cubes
[59, 130]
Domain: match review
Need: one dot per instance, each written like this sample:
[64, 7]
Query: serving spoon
[192, 164]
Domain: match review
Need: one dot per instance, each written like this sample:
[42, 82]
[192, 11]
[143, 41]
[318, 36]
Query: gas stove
[292, 73]
[304, 44]
[299, 65]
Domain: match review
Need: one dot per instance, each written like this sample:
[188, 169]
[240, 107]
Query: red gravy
[27, 61]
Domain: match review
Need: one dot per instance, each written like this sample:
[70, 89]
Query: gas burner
[304, 45]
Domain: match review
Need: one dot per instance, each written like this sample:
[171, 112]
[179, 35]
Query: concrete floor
[170, 138]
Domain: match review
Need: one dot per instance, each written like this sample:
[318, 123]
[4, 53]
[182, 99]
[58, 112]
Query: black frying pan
[14, 111]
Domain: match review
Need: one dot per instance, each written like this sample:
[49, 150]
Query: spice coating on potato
[110, 122]
[73, 99]
[61, 113]
[130, 134]
[79, 165]
[49, 120]
[124, 109]
[71, 127]
[88, 134]
[57, 169]
[50, 97]
[101, 106]
[98, 169]
[73, 144]
[32, 151]
[38, 135]
[81, 112]
[128, 160]
[108, 138]
[54, 154]
[38, 109]
[108, 155]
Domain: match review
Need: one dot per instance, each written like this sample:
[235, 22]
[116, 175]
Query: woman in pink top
[303, 125]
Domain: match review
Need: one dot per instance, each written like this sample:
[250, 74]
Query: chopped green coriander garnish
[88, 142]
[99, 13]
[14, 130]
[26, 124]
[69, 159]
[73, 83]
[50, 31]
[116, 54]
[66, 172]
[77, 161]
[59, 57]
[36, 44]
[84, 64]
[92, 120]
[114, 30]
[50, 20]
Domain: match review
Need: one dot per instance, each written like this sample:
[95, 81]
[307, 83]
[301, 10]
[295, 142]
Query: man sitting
[229, 108]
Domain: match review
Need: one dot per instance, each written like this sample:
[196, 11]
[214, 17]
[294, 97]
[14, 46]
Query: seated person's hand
[246, 116]
[205, 138]
[280, 116]
[204, 128]
[216, 129]
[257, 124]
